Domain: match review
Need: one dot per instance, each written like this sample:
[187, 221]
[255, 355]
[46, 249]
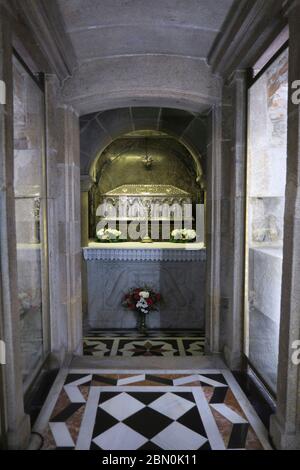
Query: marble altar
[177, 271]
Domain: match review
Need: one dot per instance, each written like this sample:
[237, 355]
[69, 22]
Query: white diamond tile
[171, 405]
[120, 437]
[121, 406]
[178, 437]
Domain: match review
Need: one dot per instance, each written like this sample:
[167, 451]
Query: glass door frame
[251, 80]
[39, 81]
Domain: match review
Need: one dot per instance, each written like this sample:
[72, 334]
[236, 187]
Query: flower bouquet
[109, 235]
[183, 235]
[141, 300]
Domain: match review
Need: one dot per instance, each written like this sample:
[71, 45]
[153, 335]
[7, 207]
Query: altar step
[119, 363]
[130, 343]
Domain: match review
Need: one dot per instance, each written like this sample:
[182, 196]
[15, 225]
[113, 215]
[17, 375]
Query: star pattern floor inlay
[131, 343]
[151, 410]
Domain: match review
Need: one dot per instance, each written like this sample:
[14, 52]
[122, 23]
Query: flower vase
[141, 324]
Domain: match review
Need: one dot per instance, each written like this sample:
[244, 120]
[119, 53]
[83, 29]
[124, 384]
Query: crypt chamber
[150, 224]
[146, 185]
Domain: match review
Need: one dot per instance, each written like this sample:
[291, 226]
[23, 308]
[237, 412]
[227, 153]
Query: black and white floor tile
[130, 343]
[168, 410]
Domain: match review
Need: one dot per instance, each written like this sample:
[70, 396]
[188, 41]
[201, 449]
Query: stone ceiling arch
[142, 54]
[98, 130]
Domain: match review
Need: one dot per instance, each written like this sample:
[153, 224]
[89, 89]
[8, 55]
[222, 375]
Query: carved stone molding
[250, 28]
[44, 19]
[147, 254]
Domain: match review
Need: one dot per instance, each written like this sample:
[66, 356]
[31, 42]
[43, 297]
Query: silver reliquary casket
[138, 202]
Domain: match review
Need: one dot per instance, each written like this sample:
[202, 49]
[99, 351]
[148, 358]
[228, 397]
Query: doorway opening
[149, 181]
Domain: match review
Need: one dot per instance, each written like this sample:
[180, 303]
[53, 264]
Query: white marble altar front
[177, 271]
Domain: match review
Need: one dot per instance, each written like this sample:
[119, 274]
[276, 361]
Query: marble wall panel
[182, 285]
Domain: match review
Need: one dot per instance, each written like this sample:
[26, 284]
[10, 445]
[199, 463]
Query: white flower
[189, 234]
[108, 234]
[144, 294]
[142, 305]
[177, 234]
[183, 234]
[100, 233]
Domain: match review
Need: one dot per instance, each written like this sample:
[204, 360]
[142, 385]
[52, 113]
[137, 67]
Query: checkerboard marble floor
[167, 410]
[130, 343]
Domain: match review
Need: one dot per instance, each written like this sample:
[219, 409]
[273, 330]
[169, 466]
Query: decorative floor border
[76, 417]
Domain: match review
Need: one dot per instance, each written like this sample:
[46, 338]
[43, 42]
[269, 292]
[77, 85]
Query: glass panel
[29, 186]
[266, 179]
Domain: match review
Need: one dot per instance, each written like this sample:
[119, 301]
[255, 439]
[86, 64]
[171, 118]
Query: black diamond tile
[94, 446]
[187, 395]
[206, 446]
[192, 420]
[148, 422]
[103, 422]
[104, 396]
[149, 446]
[145, 397]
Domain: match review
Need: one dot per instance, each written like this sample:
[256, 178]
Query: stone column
[53, 137]
[86, 183]
[213, 231]
[285, 424]
[68, 212]
[18, 425]
[236, 132]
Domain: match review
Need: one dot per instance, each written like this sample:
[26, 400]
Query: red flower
[150, 301]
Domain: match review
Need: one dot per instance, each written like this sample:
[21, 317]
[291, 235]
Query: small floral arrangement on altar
[108, 235]
[183, 235]
[141, 300]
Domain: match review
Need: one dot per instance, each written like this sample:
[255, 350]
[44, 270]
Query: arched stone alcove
[183, 131]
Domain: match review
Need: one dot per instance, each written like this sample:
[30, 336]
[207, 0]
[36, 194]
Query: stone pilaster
[53, 136]
[213, 231]
[68, 214]
[17, 423]
[285, 424]
[235, 254]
